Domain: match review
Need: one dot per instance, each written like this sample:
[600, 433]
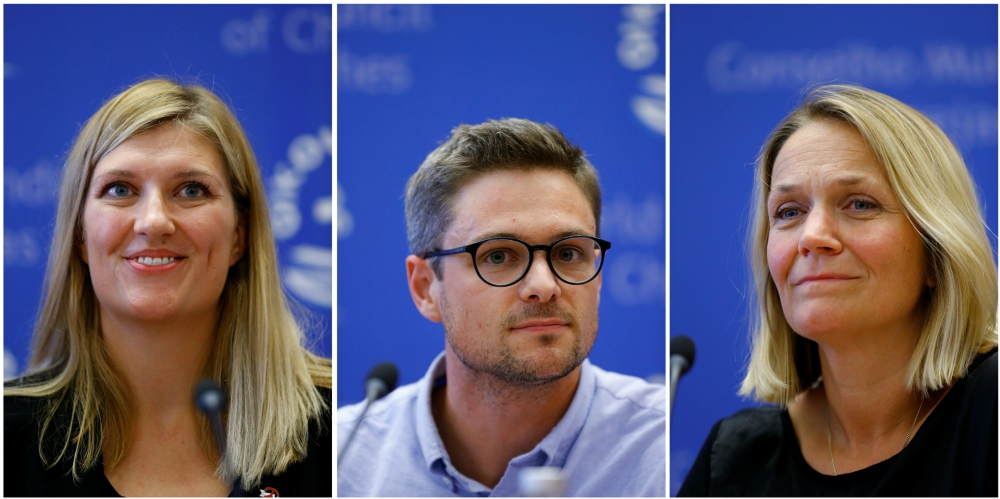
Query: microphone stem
[354, 431]
[675, 374]
[220, 440]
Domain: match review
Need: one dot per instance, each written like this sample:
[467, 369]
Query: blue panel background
[408, 74]
[735, 71]
[273, 64]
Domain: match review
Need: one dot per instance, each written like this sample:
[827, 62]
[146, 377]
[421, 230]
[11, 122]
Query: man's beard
[497, 359]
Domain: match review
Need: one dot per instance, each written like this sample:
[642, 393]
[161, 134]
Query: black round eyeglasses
[503, 261]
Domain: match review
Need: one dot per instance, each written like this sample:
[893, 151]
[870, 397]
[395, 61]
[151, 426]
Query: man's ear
[420, 276]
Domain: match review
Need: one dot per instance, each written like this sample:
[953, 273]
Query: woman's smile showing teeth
[146, 260]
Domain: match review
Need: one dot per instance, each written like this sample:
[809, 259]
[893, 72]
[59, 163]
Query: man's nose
[539, 284]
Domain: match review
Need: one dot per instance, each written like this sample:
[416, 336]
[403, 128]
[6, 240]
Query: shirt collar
[555, 445]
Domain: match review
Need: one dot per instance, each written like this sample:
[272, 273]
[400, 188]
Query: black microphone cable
[380, 381]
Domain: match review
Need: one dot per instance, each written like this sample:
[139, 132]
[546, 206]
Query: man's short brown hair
[474, 150]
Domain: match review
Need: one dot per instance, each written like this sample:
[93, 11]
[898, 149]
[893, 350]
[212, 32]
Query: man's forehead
[526, 205]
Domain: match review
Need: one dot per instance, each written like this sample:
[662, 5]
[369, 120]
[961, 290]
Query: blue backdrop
[273, 64]
[407, 75]
[735, 71]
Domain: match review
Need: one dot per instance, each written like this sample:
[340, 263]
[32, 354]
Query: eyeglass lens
[503, 261]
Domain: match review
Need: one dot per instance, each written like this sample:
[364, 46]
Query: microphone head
[208, 397]
[385, 372]
[683, 346]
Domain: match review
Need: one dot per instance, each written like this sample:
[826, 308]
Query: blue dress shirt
[610, 442]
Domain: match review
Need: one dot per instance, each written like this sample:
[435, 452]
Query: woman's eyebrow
[843, 181]
[118, 172]
[193, 173]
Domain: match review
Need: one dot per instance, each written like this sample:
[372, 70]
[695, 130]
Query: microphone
[380, 381]
[210, 400]
[681, 360]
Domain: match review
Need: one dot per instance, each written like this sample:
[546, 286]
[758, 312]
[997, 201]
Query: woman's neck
[159, 362]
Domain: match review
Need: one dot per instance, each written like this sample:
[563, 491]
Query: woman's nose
[820, 233]
[153, 218]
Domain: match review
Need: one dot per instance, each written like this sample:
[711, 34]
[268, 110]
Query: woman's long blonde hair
[929, 178]
[258, 356]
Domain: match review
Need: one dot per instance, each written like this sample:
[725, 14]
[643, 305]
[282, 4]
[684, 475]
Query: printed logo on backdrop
[733, 67]
[637, 51]
[304, 30]
[33, 189]
[378, 72]
[635, 275]
[308, 269]
[36, 188]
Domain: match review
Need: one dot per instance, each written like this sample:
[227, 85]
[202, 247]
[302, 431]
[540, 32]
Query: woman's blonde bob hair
[927, 175]
[258, 356]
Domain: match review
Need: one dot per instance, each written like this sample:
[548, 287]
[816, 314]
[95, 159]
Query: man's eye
[496, 258]
[567, 254]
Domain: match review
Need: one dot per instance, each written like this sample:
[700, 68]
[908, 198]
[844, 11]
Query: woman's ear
[239, 240]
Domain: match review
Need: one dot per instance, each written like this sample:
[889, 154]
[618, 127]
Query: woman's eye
[862, 204]
[117, 190]
[786, 213]
[193, 190]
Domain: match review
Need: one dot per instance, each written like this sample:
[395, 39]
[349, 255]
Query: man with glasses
[503, 223]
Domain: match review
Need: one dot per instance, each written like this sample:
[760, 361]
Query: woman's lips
[823, 279]
[154, 265]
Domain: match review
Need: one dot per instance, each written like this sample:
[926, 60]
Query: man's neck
[485, 423]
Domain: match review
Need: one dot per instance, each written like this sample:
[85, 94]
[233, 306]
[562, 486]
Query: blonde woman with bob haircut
[162, 272]
[876, 326]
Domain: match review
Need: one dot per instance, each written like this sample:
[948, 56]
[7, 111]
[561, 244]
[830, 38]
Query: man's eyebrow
[521, 237]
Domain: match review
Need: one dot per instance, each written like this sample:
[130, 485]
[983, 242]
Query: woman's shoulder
[311, 476]
[735, 451]
[21, 408]
[749, 430]
[983, 371]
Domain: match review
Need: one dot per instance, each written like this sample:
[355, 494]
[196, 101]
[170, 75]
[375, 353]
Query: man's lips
[539, 326]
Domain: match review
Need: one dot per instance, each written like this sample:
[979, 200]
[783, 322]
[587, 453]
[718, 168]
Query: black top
[755, 452]
[25, 475]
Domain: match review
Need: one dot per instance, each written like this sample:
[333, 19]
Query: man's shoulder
[637, 394]
[621, 448]
[401, 402]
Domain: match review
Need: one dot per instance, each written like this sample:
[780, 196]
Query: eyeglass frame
[547, 248]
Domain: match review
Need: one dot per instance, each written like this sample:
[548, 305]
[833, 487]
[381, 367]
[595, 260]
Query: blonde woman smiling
[163, 271]
[876, 327]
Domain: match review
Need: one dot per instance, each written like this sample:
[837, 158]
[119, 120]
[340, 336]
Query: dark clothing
[25, 475]
[755, 452]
